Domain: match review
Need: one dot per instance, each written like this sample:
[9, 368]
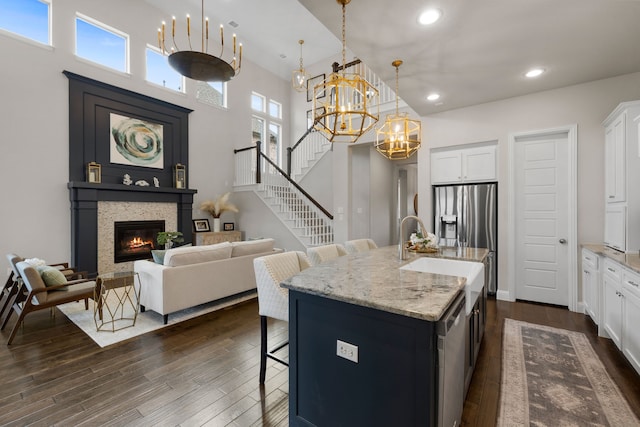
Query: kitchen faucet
[402, 250]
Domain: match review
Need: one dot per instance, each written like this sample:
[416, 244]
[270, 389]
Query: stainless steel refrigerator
[467, 216]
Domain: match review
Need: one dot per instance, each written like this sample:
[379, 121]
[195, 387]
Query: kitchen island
[363, 339]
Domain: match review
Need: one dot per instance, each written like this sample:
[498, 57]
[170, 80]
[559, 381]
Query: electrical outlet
[347, 351]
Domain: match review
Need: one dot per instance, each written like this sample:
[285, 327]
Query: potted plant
[217, 207]
[167, 238]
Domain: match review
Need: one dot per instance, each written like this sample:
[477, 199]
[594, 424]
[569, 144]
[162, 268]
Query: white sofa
[195, 275]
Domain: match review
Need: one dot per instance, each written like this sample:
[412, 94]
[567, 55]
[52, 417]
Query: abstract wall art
[136, 142]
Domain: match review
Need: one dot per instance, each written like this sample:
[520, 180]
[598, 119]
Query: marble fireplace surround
[110, 212]
[94, 207]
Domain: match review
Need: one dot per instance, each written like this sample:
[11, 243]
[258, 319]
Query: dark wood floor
[205, 372]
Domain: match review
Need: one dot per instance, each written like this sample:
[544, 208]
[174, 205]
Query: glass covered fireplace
[135, 239]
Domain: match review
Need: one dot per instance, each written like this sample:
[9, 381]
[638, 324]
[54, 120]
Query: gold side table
[116, 300]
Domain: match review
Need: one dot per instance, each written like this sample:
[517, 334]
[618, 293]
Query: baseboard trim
[504, 296]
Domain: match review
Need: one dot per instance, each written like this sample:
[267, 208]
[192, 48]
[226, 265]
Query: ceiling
[478, 52]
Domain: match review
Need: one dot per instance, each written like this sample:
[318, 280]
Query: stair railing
[302, 210]
[248, 166]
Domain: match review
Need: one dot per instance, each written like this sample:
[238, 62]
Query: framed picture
[311, 120]
[125, 134]
[229, 226]
[201, 225]
[313, 81]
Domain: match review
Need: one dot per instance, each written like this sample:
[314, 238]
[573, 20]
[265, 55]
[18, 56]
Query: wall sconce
[180, 175]
[94, 172]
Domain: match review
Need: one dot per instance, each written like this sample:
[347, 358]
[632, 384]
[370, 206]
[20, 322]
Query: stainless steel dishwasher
[451, 348]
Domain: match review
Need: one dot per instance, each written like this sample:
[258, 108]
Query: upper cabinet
[474, 164]
[621, 174]
[614, 164]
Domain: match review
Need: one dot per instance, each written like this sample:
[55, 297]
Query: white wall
[586, 105]
[382, 184]
[34, 117]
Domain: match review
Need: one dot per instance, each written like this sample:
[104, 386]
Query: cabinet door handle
[611, 197]
[633, 283]
[586, 272]
[587, 258]
[611, 269]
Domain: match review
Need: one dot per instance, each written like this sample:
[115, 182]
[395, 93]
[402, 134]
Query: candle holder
[180, 176]
[94, 172]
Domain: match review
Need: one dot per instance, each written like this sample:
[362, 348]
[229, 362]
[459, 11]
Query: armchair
[38, 296]
[10, 294]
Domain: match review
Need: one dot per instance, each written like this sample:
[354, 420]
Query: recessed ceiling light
[433, 97]
[534, 72]
[429, 16]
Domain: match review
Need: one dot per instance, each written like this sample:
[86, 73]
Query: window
[160, 72]
[212, 93]
[273, 150]
[100, 44]
[257, 130]
[27, 18]
[271, 147]
[257, 102]
[275, 109]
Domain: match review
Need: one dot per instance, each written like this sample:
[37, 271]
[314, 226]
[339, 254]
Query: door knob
[563, 241]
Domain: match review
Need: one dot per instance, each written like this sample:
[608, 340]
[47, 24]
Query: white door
[541, 219]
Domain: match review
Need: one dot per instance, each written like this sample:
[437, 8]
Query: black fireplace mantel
[84, 199]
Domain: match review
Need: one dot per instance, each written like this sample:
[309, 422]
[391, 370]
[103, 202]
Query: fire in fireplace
[135, 239]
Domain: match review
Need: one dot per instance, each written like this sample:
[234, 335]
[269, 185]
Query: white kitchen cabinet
[612, 301]
[474, 164]
[614, 166]
[591, 285]
[446, 167]
[622, 173]
[615, 226]
[631, 318]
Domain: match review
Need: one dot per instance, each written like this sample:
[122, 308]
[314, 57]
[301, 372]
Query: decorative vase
[216, 224]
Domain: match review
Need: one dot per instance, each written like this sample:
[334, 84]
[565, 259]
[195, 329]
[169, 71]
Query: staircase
[312, 227]
[305, 153]
[308, 221]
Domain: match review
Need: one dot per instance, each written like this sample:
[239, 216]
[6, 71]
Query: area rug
[145, 322]
[553, 377]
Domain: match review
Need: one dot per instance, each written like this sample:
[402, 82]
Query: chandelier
[345, 105]
[200, 65]
[299, 77]
[399, 137]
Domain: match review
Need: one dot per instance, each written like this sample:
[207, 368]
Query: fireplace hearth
[135, 240]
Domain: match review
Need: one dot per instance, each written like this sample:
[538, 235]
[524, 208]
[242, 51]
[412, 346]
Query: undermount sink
[472, 271]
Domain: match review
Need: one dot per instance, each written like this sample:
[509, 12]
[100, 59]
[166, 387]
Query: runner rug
[553, 377]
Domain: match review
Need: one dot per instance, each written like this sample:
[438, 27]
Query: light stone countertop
[374, 279]
[630, 260]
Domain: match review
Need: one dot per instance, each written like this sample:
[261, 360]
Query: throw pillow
[158, 255]
[36, 262]
[51, 276]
